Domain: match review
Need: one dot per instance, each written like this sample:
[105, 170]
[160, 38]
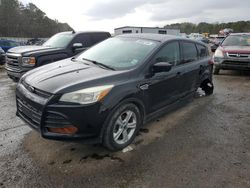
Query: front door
[164, 88]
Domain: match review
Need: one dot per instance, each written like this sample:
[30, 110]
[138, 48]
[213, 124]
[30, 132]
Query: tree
[18, 20]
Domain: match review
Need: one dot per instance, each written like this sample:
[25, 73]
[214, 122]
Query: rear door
[190, 64]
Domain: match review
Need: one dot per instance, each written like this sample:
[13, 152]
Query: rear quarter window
[202, 51]
[189, 52]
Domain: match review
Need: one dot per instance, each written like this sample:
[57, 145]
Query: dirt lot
[205, 143]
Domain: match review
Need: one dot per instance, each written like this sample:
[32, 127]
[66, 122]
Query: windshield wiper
[99, 64]
[77, 60]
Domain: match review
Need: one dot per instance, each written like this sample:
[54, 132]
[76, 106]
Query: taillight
[211, 62]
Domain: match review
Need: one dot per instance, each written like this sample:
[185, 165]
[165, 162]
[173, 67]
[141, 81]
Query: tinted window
[189, 52]
[169, 53]
[82, 38]
[202, 51]
[98, 37]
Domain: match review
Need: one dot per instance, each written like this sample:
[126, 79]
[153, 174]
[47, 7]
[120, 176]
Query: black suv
[106, 93]
[60, 46]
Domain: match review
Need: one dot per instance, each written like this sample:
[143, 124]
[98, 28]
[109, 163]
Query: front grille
[55, 120]
[237, 63]
[29, 113]
[12, 61]
[238, 55]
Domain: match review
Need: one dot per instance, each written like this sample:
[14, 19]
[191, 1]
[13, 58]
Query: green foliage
[17, 20]
[213, 28]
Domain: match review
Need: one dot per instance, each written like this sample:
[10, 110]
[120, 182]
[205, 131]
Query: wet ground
[205, 143]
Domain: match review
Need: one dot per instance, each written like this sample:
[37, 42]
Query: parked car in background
[60, 46]
[233, 53]
[8, 44]
[215, 43]
[199, 37]
[35, 41]
[2, 56]
[105, 94]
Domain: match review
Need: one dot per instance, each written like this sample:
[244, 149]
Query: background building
[156, 30]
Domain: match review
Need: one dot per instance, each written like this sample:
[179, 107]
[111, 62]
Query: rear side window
[189, 52]
[169, 53]
[202, 51]
[98, 37]
[82, 38]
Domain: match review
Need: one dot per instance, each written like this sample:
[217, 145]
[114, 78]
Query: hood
[28, 50]
[236, 49]
[67, 76]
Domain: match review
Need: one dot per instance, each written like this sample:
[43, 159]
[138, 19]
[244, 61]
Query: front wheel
[122, 127]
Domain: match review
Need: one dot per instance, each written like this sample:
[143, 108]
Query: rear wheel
[208, 87]
[122, 127]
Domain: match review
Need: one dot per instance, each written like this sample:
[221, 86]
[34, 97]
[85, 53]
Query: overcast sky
[109, 14]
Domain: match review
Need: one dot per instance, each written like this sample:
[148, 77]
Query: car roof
[157, 37]
[233, 34]
[81, 32]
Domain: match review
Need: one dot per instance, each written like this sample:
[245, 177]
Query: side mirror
[162, 67]
[77, 45]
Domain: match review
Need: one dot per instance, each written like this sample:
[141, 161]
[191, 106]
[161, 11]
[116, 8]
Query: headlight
[87, 96]
[218, 53]
[29, 61]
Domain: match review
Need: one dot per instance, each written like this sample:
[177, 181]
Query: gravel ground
[205, 143]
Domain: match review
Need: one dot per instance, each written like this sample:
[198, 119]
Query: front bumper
[13, 66]
[44, 113]
[232, 63]
[16, 73]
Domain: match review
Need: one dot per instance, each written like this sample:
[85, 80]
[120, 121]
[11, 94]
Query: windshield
[120, 53]
[237, 40]
[59, 40]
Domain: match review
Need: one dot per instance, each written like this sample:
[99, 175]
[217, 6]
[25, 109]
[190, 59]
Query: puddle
[101, 157]
[67, 161]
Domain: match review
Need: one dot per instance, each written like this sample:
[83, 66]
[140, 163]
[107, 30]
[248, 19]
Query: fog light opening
[65, 130]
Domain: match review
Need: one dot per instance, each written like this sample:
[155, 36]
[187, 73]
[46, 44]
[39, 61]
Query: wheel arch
[132, 100]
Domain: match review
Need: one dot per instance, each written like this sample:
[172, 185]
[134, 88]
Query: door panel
[164, 88]
[190, 66]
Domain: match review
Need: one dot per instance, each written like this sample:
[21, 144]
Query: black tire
[216, 71]
[207, 87]
[108, 138]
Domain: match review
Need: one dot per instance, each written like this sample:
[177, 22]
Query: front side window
[169, 53]
[60, 40]
[120, 53]
[237, 40]
[189, 52]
